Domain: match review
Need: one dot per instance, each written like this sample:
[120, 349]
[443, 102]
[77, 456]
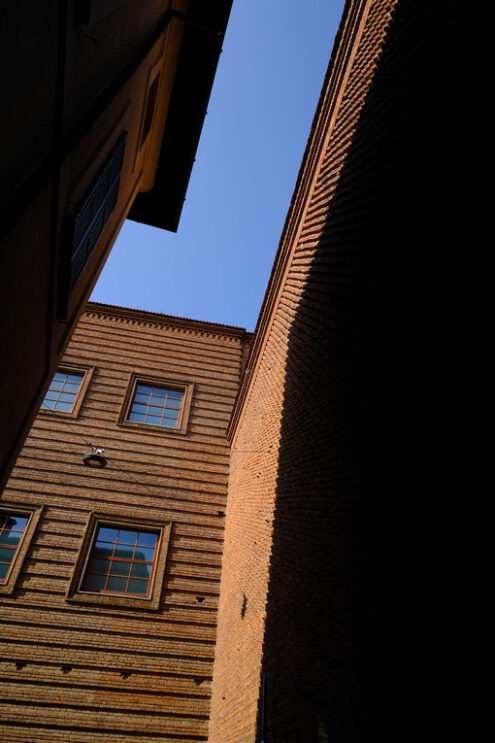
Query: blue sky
[265, 93]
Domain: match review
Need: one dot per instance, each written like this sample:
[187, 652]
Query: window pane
[66, 397]
[99, 566]
[153, 420]
[106, 534]
[64, 407]
[173, 403]
[59, 377]
[74, 378]
[127, 537]
[147, 540]
[141, 571]
[138, 408]
[103, 549]
[175, 393]
[125, 552]
[159, 392]
[169, 423]
[141, 398]
[10, 537]
[143, 389]
[117, 584]
[56, 384]
[120, 568]
[155, 410]
[143, 553]
[6, 555]
[71, 388]
[94, 582]
[169, 413]
[18, 522]
[157, 400]
[136, 418]
[52, 395]
[4, 569]
[138, 586]
[48, 404]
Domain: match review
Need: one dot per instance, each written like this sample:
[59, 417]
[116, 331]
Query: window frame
[87, 372]
[120, 520]
[168, 383]
[34, 511]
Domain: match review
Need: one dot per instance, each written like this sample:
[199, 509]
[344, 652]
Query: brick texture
[73, 672]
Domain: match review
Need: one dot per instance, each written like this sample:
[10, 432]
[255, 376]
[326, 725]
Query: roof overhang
[204, 30]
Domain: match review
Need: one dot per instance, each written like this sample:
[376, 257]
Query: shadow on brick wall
[383, 454]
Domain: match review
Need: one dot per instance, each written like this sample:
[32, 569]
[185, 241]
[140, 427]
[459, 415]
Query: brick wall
[359, 429]
[75, 672]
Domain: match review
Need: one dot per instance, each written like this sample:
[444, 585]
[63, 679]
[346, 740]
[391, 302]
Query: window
[156, 406]
[92, 214]
[12, 529]
[160, 405]
[17, 526]
[122, 561]
[66, 391]
[62, 392]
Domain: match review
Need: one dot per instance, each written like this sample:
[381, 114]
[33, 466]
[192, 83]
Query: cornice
[346, 40]
[144, 318]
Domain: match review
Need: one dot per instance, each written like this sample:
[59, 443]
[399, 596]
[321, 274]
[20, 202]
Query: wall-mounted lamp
[95, 459]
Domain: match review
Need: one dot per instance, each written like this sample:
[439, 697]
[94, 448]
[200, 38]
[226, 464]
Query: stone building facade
[81, 661]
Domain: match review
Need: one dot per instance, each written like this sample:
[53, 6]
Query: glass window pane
[136, 418]
[59, 376]
[175, 393]
[156, 400]
[10, 537]
[103, 549]
[125, 552]
[143, 553]
[56, 384]
[141, 571]
[159, 391]
[66, 397]
[74, 378]
[153, 420]
[4, 569]
[98, 566]
[51, 395]
[147, 540]
[117, 585]
[170, 423]
[138, 408]
[143, 389]
[64, 407]
[120, 568]
[94, 582]
[48, 404]
[107, 534]
[138, 586]
[169, 413]
[71, 388]
[173, 403]
[17, 522]
[127, 537]
[155, 410]
[141, 398]
[6, 555]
